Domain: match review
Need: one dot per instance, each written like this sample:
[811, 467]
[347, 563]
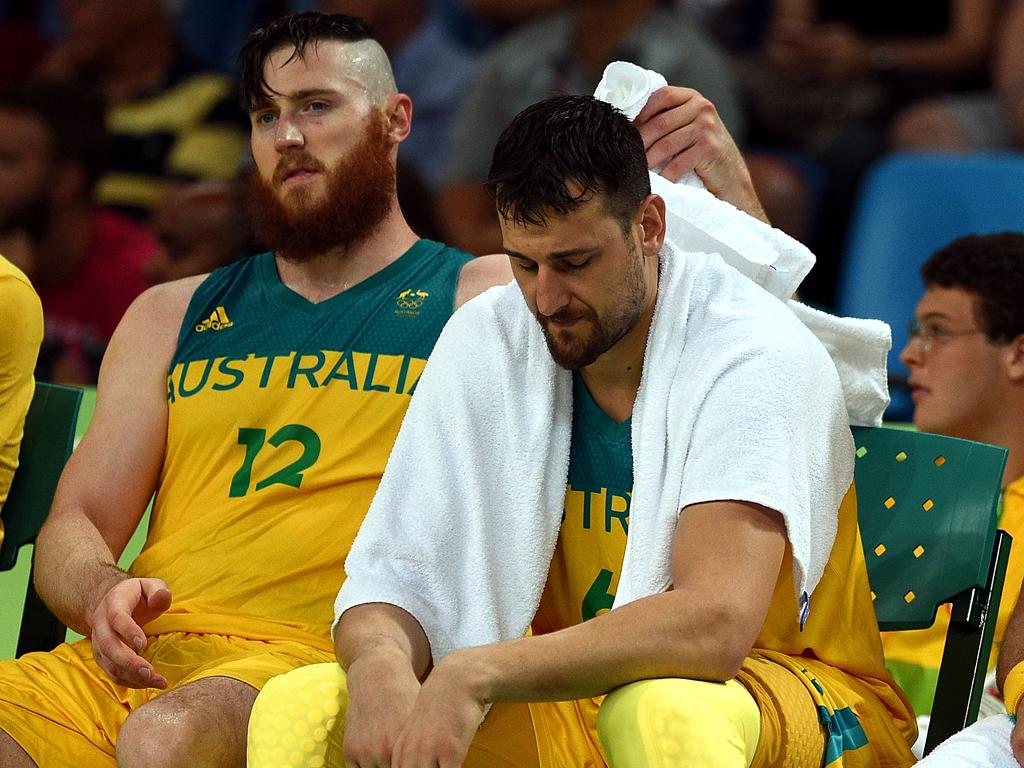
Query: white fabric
[699, 221]
[858, 348]
[986, 744]
[737, 401]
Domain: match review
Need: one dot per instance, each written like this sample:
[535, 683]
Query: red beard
[360, 189]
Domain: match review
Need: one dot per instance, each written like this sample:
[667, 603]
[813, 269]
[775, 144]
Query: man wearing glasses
[966, 359]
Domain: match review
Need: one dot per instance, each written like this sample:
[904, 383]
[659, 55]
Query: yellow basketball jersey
[281, 416]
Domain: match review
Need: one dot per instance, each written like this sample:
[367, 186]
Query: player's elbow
[730, 632]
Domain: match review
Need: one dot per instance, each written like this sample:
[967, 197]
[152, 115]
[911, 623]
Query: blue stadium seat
[910, 205]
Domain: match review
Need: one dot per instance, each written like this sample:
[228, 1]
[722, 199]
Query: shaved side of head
[370, 67]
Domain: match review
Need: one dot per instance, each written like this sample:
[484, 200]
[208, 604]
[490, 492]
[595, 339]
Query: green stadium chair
[45, 448]
[927, 508]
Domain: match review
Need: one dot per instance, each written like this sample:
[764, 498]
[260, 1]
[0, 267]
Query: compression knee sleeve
[675, 722]
[294, 719]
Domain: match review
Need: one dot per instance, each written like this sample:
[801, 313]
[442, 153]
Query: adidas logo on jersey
[217, 321]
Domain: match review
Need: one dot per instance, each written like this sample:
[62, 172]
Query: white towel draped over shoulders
[737, 401]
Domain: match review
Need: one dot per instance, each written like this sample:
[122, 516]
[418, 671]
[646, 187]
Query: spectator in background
[992, 119]
[21, 332]
[85, 262]
[566, 51]
[428, 65]
[213, 30]
[167, 117]
[201, 226]
[966, 361]
[739, 25]
[478, 24]
[822, 92]
[22, 43]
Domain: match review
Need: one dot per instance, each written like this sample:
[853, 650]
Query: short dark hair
[991, 267]
[565, 142]
[74, 114]
[296, 31]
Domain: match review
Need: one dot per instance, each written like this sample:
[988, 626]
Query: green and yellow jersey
[584, 572]
[836, 657]
[281, 417]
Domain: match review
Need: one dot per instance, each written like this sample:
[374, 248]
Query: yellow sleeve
[21, 333]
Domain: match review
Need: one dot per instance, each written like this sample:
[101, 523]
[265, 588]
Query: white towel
[858, 348]
[699, 221]
[737, 401]
[985, 744]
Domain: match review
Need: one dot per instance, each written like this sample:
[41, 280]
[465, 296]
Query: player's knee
[157, 735]
[679, 722]
[297, 717]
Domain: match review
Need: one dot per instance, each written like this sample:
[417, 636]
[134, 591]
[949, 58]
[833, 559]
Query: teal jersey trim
[601, 452]
[845, 733]
[244, 309]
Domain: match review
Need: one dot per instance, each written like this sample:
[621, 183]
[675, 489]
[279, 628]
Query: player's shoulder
[480, 274]
[161, 308]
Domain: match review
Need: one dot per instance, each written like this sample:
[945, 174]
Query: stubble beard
[578, 349]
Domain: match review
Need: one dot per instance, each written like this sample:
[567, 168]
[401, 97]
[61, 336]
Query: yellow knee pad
[296, 719]
[678, 723]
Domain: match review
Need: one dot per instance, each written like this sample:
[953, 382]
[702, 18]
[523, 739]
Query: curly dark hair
[296, 31]
[559, 152]
[991, 268]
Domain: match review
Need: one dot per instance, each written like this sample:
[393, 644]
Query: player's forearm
[74, 567]
[382, 632]
[667, 635]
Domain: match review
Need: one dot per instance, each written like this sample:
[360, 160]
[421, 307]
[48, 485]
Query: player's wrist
[109, 577]
[468, 670]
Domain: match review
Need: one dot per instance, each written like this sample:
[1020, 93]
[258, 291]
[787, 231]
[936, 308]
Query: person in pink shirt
[86, 263]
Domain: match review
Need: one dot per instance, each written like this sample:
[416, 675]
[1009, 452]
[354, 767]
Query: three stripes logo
[217, 321]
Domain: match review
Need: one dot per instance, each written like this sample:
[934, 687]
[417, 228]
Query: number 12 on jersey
[255, 440]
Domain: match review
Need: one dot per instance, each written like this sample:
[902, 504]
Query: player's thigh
[505, 739]
[680, 722]
[62, 709]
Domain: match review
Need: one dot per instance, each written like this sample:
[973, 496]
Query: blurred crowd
[123, 151]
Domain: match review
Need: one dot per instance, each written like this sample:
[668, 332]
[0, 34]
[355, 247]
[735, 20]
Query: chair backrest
[909, 206]
[927, 508]
[47, 443]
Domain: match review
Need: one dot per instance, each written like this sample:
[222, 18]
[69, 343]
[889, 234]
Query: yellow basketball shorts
[64, 711]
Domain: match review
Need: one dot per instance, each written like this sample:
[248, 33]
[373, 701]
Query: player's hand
[116, 630]
[444, 721]
[382, 691]
[682, 131]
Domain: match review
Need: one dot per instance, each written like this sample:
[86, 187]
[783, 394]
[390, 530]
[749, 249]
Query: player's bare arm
[106, 486]
[700, 629]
